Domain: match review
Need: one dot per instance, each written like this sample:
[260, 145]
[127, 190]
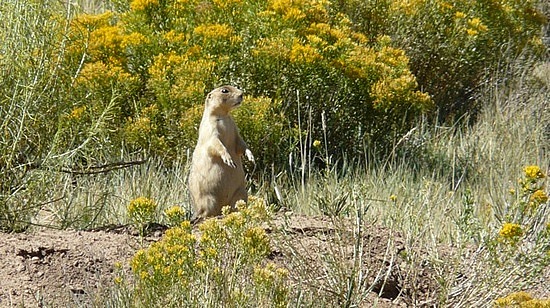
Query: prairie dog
[216, 178]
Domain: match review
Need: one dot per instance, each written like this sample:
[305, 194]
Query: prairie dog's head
[224, 99]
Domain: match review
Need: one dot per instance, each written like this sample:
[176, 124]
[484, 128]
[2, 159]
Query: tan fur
[217, 178]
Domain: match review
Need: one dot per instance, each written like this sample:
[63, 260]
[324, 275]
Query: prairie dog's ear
[208, 97]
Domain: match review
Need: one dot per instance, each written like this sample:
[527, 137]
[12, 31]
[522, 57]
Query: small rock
[20, 268]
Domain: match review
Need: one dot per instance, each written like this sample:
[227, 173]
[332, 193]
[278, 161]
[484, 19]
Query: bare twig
[103, 168]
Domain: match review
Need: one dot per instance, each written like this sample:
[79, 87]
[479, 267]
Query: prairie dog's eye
[224, 90]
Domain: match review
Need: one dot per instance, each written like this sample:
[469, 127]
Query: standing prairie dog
[216, 177]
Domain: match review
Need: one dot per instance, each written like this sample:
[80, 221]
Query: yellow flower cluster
[164, 64]
[510, 233]
[359, 63]
[175, 215]
[475, 26]
[388, 91]
[256, 242]
[533, 172]
[77, 112]
[272, 279]
[141, 5]
[303, 54]
[98, 76]
[269, 273]
[173, 37]
[142, 210]
[316, 144]
[539, 196]
[460, 15]
[214, 31]
[337, 36]
[133, 39]
[294, 13]
[297, 10]
[521, 299]
[281, 6]
[106, 39]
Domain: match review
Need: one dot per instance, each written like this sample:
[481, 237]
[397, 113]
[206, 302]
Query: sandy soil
[53, 266]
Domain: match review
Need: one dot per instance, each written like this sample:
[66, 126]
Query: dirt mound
[73, 267]
[373, 263]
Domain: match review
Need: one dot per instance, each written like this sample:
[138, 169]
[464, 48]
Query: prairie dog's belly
[214, 177]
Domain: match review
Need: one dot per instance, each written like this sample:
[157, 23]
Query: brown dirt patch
[58, 267]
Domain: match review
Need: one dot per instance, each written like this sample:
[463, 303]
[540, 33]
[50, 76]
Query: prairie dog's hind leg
[206, 206]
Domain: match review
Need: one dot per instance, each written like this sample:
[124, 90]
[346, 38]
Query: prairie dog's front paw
[249, 155]
[228, 160]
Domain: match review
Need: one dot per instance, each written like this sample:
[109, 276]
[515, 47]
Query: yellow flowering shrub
[225, 259]
[518, 247]
[175, 215]
[521, 299]
[524, 233]
[510, 233]
[323, 53]
[533, 173]
[465, 35]
[142, 211]
[173, 53]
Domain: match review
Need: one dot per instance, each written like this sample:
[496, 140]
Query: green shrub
[455, 45]
[32, 102]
